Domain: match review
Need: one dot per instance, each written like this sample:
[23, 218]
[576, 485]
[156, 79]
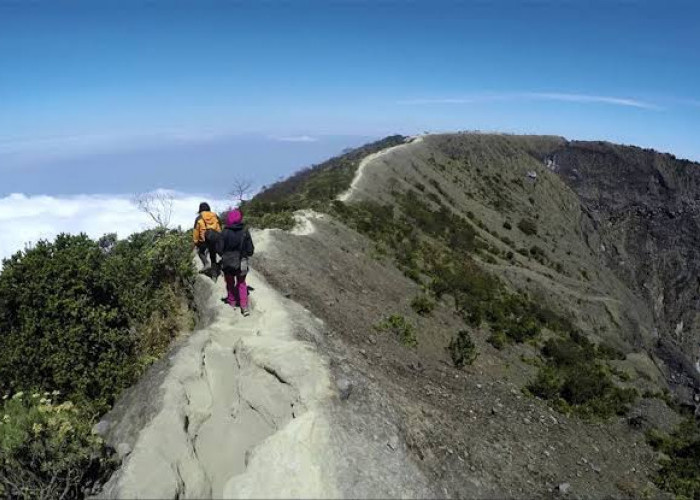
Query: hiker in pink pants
[236, 248]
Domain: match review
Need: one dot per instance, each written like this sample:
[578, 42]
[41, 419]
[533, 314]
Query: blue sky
[114, 97]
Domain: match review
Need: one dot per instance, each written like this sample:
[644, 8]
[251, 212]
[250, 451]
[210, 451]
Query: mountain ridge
[475, 329]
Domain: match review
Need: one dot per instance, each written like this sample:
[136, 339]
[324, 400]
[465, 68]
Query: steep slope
[616, 229]
[472, 432]
[643, 207]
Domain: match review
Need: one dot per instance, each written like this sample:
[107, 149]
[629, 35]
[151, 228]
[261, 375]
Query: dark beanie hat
[204, 207]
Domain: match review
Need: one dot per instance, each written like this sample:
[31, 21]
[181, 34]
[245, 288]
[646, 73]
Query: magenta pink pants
[237, 290]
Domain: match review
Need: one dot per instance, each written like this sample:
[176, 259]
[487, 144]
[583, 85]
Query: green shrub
[565, 352]
[273, 220]
[574, 378]
[401, 328]
[582, 386]
[527, 226]
[497, 339]
[507, 225]
[47, 449]
[680, 468]
[72, 312]
[547, 384]
[84, 318]
[423, 304]
[462, 349]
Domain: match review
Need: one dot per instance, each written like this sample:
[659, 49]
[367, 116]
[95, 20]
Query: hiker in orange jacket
[206, 234]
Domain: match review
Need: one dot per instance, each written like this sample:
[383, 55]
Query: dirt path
[367, 161]
[241, 410]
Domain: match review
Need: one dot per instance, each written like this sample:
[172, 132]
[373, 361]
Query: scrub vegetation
[80, 320]
[400, 327]
[680, 465]
[575, 378]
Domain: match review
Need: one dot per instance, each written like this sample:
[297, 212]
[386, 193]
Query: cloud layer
[26, 219]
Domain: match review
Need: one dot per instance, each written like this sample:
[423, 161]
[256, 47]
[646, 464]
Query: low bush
[546, 384]
[528, 226]
[47, 449]
[273, 220]
[497, 339]
[680, 466]
[401, 328]
[462, 349]
[574, 379]
[79, 316]
[423, 304]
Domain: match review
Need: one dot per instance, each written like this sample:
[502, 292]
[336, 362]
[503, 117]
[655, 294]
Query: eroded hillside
[607, 233]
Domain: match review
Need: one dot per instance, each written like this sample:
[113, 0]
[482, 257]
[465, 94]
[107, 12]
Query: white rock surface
[239, 416]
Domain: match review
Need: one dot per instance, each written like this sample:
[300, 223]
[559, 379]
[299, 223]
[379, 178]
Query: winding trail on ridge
[240, 413]
[355, 186]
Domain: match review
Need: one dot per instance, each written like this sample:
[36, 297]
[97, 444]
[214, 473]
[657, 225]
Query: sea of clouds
[24, 220]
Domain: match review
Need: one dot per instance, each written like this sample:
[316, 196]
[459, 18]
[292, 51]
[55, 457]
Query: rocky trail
[247, 408]
[239, 412]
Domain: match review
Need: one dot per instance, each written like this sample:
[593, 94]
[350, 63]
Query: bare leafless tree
[241, 189]
[158, 205]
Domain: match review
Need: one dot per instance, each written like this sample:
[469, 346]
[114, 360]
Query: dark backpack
[233, 251]
[213, 239]
[231, 261]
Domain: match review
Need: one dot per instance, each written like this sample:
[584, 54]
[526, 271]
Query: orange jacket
[205, 220]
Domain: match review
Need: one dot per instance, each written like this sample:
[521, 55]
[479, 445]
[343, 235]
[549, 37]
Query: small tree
[158, 205]
[241, 189]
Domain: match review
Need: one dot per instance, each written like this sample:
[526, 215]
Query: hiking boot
[245, 311]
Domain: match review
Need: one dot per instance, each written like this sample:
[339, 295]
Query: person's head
[204, 207]
[234, 216]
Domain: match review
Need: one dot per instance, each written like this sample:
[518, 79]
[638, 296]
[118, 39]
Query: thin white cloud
[618, 101]
[296, 138]
[541, 96]
[26, 219]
